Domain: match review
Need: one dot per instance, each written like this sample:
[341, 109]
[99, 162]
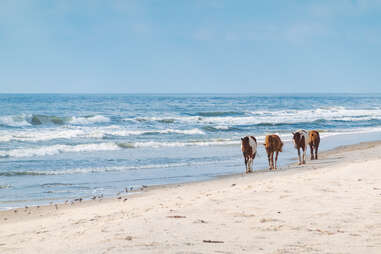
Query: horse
[314, 141]
[300, 138]
[249, 150]
[273, 144]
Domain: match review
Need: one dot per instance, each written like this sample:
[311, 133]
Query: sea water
[56, 147]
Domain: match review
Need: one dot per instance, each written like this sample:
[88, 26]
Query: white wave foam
[72, 132]
[89, 120]
[276, 117]
[154, 144]
[14, 121]
[56, 149]
[115, 168]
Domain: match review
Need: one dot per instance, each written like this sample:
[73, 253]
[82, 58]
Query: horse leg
[251, 165]
[312, 151]
[253, 160]
[299, 156]
[316, 151]
[276, 159]
[269, 158]
[272, 160]
[245, 162]
[304, 155]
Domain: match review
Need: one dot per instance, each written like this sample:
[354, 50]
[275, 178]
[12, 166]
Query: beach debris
[38, 206]
[42, 231]
[128, 238]
[15, 211]
[212, 241]
[5, 218]
[233, 184]
[78, 199]
[93, 197]
[119, 197]
[176, 216]
[124, 200]
[200, 221]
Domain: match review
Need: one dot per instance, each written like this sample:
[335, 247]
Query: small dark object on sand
[176, 216]
[212, 241]
[94, 197]
[119, 197]
[124, 200]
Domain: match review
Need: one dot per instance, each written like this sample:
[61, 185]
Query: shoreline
[332, 205]
[212, 171]
[145, 189]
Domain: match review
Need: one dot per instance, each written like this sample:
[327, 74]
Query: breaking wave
[57, 149]
[85, 132]
[98, 170]
[262, 117]
[36, 119]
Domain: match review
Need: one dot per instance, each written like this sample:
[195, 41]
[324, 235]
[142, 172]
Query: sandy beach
[332, 205]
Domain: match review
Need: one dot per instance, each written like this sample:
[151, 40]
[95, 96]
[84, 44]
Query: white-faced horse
[249, 150]
[300, 138]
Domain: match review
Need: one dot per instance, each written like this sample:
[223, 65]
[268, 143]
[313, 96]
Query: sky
[190, 46]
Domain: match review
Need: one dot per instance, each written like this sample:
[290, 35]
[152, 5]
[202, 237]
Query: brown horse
[314, 141]
[300, 138]
[273, 144]
[249, 150]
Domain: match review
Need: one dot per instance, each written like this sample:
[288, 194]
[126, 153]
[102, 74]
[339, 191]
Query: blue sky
[195, 46]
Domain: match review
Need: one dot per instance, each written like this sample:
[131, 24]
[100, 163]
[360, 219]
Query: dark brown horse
[249, 150]
[273, 144]
[300, 138]
[314, 141]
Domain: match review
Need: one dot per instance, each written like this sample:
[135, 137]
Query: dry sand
[332, 205]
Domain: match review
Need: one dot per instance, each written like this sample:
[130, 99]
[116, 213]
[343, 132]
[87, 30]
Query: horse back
[314, 137]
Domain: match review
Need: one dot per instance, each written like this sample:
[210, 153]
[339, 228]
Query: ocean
[57, 147]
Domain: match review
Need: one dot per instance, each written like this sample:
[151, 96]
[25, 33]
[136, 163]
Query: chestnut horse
[273, 144]
[300, 138]
[314, 141]
[249, 150]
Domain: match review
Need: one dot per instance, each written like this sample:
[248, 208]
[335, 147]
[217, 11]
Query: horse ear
[293, 133]
[242, 139]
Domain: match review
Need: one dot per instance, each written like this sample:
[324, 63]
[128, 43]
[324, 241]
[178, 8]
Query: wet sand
[332, 205]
